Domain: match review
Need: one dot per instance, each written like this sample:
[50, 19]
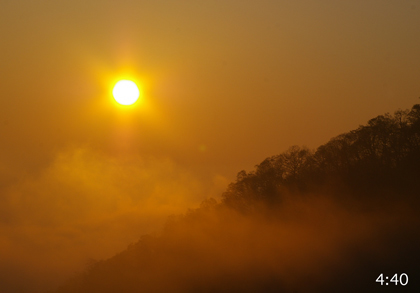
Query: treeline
[309, 243]
[383, 155]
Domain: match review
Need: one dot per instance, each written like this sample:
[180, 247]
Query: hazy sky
[224, 85]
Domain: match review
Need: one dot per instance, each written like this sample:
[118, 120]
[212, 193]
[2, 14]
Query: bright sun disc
[126, 92]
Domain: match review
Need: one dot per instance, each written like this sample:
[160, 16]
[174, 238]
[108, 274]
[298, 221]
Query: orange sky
[224, 85]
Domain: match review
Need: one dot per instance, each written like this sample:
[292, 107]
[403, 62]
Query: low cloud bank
[84, 205]
[308, 244]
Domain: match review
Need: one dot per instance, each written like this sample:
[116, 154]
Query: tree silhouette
[384, 153]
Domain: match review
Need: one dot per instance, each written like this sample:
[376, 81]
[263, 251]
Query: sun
[126, 92]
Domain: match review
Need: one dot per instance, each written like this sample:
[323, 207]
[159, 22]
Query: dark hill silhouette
[329, 220]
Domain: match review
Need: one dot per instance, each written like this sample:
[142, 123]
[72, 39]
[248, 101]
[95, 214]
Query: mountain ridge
[319, 221]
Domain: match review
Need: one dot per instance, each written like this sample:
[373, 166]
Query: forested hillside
[382, 156]
[328, 220]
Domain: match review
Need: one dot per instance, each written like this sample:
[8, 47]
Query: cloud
[309, 244]
[87, 204]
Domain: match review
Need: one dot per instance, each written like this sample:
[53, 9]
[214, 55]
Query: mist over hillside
[326, 220]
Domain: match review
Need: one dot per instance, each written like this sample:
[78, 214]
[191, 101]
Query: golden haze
[222, 87]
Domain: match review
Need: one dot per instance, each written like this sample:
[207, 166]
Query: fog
[222, 87]
[86, 205]
[330, 219]
[309, 244]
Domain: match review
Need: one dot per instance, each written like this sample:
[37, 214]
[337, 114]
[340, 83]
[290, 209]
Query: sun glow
[126, 92]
